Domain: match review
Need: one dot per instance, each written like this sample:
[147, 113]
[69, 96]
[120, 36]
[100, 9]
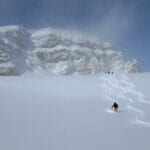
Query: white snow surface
[58, 52]
[74, 112]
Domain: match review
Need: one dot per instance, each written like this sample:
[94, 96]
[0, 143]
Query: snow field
[119, 88]
[69, 113]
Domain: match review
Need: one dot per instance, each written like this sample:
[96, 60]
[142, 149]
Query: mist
[109, 20]
[117, 21]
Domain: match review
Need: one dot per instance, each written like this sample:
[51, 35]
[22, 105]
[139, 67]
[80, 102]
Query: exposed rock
[28, 50]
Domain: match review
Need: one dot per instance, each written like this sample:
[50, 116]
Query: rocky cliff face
[24, 50]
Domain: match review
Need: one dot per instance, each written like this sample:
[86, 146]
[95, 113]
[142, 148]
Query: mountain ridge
[57, 52]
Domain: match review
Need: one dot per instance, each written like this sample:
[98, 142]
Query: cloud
[107, 19]
[117, 22]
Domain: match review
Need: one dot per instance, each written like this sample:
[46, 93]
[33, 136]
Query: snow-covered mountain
[54, 51]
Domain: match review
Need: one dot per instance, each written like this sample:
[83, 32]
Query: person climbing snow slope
[115, 107]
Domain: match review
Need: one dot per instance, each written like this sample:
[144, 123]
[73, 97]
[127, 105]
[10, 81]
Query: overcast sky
[125, 23]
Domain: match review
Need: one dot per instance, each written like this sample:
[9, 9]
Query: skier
[115, 107]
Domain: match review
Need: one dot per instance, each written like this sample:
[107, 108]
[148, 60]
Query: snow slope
[58, 52]
[74, 112]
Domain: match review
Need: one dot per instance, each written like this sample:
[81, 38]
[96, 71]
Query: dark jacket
[115, 105]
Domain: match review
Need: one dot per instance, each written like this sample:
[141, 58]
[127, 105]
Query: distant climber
[115, 107]
[110, 72]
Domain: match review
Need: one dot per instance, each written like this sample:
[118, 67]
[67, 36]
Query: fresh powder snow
[74, 112]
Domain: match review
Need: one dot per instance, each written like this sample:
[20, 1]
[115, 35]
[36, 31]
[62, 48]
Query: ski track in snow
[120, 89]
